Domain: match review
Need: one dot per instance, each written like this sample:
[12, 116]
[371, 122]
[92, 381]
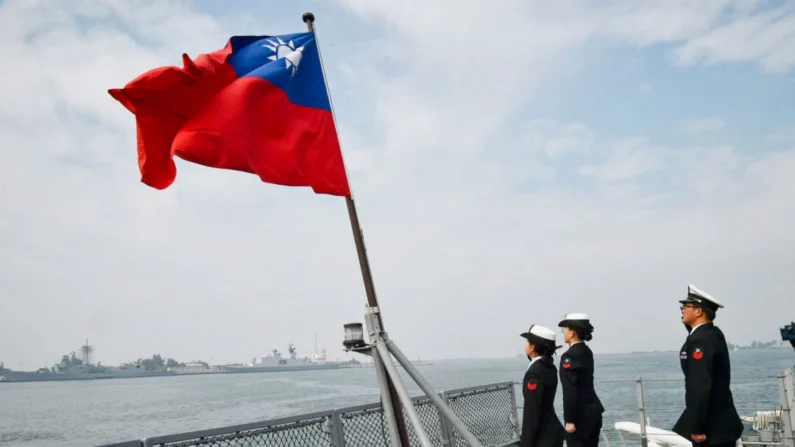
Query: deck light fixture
[354, 336]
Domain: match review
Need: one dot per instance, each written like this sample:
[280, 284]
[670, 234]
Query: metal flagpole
[389, 411]
[374, 331]
[440, 404]
[382, 350]
[361, 251]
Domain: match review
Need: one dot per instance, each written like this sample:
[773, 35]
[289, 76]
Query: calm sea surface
[83, 413]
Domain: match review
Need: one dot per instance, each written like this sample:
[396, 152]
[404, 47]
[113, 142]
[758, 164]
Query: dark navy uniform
[540, 425]
[709, 405]
[581, 405]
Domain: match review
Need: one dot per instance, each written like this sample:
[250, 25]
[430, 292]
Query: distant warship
[80, 368]
[274, 363]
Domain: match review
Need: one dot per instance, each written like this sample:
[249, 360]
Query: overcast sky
[511, 161]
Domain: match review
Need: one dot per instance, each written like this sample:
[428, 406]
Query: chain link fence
[489, 412]
[490, 415]
[368, 427]
[310, 433]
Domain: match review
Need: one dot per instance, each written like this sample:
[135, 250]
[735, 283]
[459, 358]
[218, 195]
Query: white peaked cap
[540, 334]
[694, 294]
[545, 333]
[576, 319]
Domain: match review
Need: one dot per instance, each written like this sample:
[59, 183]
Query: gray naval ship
[80, 368]
[274, 362]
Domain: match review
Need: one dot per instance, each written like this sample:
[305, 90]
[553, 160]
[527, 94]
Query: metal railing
[488, 411]
[655, 418]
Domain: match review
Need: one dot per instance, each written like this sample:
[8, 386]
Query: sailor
[709, 416]
[582, 409]
[540, 425]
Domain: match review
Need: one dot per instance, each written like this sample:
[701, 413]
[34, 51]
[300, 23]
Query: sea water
[83, 413]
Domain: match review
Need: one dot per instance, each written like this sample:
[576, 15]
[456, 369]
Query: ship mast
[86, 353]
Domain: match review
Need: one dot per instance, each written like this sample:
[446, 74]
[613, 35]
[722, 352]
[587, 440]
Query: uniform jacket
[709, 406]
[540, 425]
[581, 405]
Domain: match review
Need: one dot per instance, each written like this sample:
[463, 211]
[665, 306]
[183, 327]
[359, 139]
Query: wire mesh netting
[310, 433]
[487, 413]
[429, 417]
[368, 428]
[365, 428]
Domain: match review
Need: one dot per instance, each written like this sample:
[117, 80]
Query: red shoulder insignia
[532, 386]
[566, 363]
[698, 354]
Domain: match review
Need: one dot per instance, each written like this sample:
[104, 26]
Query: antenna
[86, 353]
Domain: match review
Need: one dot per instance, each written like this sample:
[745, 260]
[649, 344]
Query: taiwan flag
[259, 105]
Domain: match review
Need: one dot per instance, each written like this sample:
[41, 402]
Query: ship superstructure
[275, 362]
[80, 367]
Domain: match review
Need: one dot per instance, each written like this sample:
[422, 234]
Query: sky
[511, 162]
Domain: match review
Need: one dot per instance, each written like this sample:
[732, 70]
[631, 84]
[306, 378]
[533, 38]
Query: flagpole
[361, 251]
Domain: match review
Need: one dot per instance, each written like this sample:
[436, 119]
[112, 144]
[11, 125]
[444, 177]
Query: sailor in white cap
[582, 409]
[540, 425]
[710, 416]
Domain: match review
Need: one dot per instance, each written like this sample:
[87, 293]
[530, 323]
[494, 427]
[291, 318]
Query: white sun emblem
[287, 51]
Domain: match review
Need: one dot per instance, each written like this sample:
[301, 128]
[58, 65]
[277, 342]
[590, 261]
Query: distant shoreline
[772, 348]
[601, 354]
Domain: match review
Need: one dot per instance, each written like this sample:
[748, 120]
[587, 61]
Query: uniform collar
[696, 327]
[533, 361]
[576, 342]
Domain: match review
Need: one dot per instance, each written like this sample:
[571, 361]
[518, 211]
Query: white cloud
[582, 245]
[784, 134]
[687, 170]
[704, 124]
[554, 140]
[628, 159]
[766, 37]
[472, 226]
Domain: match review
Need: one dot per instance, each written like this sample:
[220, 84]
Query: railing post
[514, 412]
[791, 405]
[337, 431]
[785, 393]
[448, 437]
[642, 410]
